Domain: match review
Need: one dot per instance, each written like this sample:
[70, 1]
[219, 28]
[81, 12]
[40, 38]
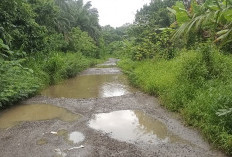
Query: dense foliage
[181, 52]
[43, 42]
[211, 20]
[43, 25]
[26, 77]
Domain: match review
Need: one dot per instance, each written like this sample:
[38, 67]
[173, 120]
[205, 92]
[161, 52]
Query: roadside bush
[21, 79]
[197, 83]
[13, 86]
[144, 50]
[121, 49]
[202, 113]
[82, 42]
[55, 42]
[54, 67]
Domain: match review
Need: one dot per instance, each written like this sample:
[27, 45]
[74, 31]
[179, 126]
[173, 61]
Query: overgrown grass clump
[23, 78]
[196, 83]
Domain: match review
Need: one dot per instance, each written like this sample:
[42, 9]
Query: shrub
[82, 42]
[197, 83]
[39, 71]
[13, 86]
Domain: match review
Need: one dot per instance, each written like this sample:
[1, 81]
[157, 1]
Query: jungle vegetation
[181, 51]
[43, 42]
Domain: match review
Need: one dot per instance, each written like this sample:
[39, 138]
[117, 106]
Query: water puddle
[76, 137]
[91, 86]
[133, 127]
[34, 112]
[72, 138]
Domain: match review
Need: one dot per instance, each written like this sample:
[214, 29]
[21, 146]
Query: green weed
[21, 79]
[195, 84]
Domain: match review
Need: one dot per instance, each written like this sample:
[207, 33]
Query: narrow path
[115, 120]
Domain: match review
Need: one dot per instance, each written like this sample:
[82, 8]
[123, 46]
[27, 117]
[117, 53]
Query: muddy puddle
[34, 112]
[90, 86]
[133, 126]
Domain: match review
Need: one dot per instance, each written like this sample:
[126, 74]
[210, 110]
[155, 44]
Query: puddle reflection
[91, 86]
[133, 126]
[76, 137]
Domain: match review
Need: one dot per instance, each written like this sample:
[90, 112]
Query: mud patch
[62, 133]
[132, 127]
[110, 63]
[91, 86]
[41, 142]
[34, 112]
[102, 71]
[105, 66]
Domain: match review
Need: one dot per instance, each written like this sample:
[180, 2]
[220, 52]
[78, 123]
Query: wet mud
[34, 112]
[116, 120]
[41, 141]
[90, 86]
[74, 137]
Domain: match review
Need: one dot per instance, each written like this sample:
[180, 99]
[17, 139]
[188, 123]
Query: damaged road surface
[97, 114]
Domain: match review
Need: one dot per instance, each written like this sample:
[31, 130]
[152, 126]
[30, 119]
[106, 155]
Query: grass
[196, 84]
[26, 77]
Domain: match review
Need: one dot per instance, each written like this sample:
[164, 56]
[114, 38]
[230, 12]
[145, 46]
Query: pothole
[91, 86]
[132, 127]
[34, 112]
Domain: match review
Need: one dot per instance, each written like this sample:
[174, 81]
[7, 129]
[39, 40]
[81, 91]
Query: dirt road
[97, 114]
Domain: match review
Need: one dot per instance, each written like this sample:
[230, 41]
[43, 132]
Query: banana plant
[213, 14]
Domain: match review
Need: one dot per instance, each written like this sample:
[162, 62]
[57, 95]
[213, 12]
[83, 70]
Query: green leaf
[222, 32]
[224, 36]
[180, 5]
[213, 7]
[171, 10]
[228, 15]
[223, 112]
[3, 55]
[2, 45]
[181, 13]
[10, 52]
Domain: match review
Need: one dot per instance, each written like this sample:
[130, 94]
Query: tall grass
[24, 78]
[197, 83]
